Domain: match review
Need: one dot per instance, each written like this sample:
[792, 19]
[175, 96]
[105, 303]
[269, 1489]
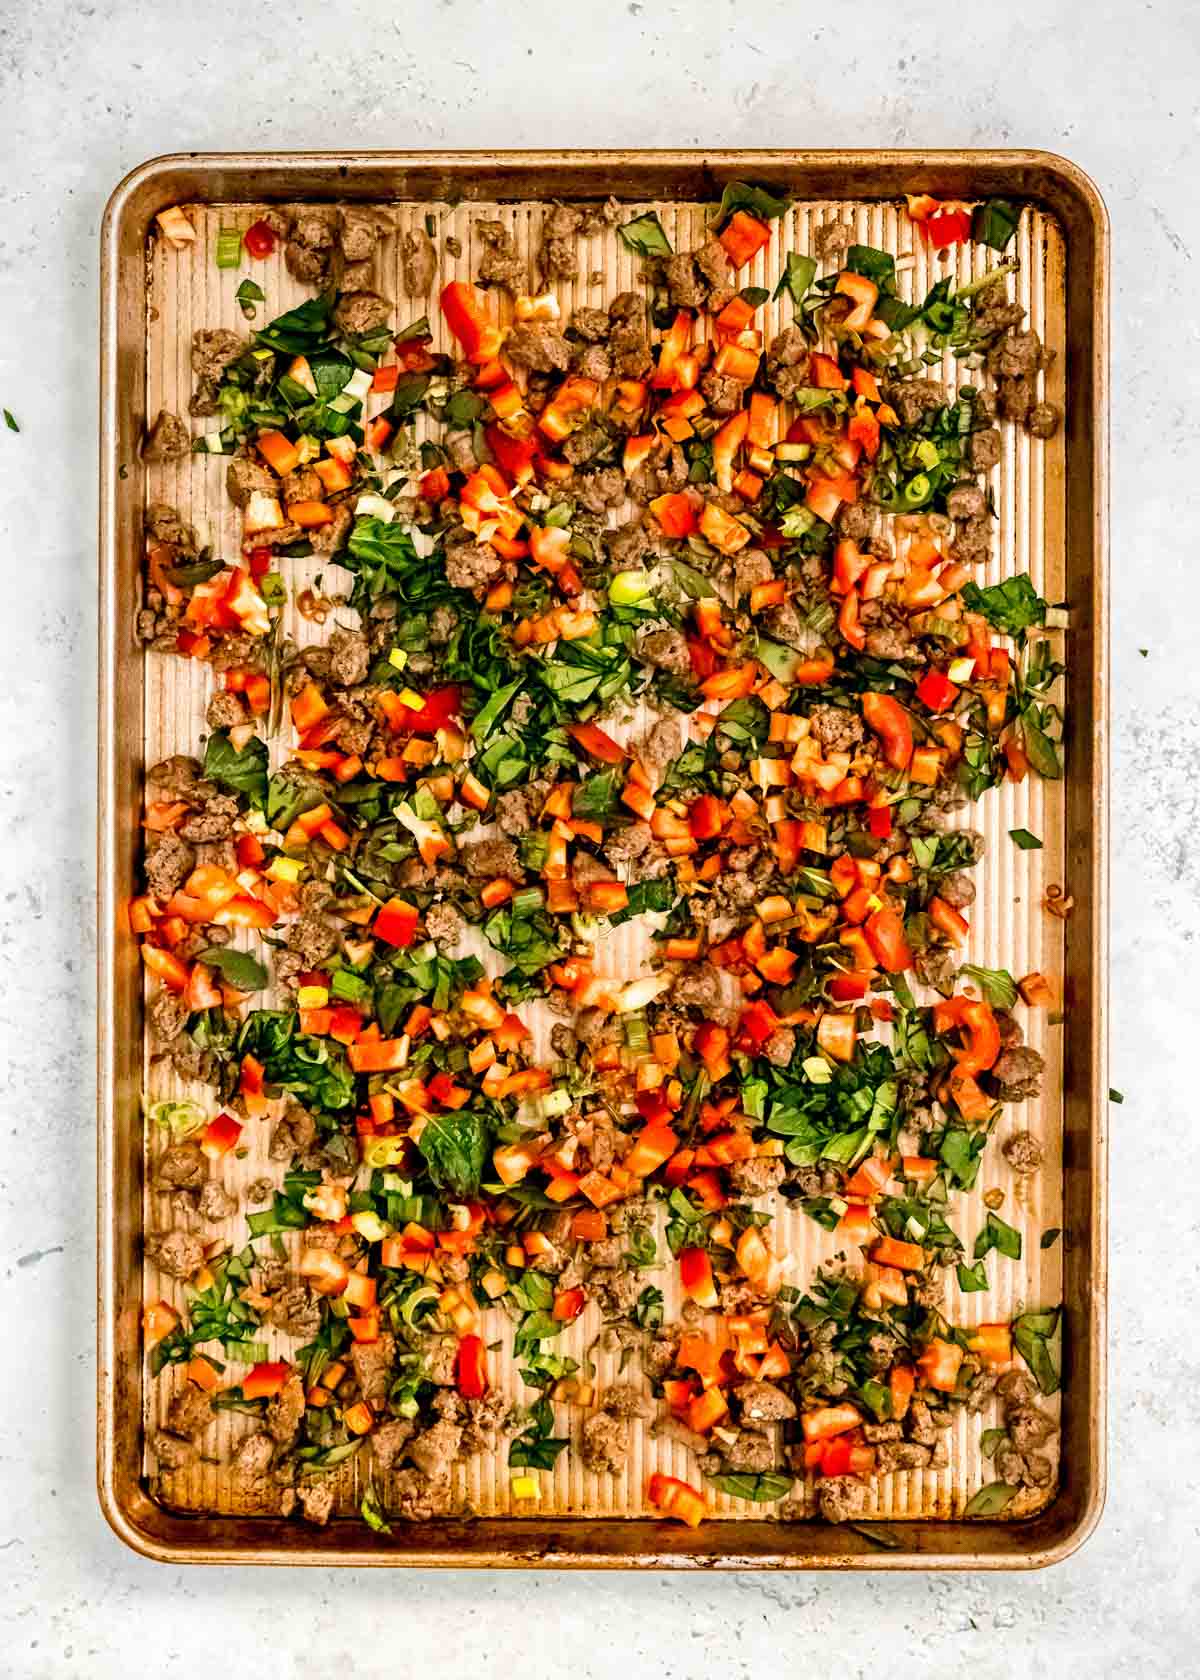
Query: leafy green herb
[1012, 606]
[643, 896]
[1027, 842]
[1050, 1236]
[884, 1538]
[200, 571]
[644, 235]
[648, 1312]
[537, 1448]
[763, 1488]
[1032, 1333]
[597, 796]
[530, 942]
[455, 1147]
[240, 968]
[248, 294]
[995, 223]
[997, 1235]
[997, 984]
[990, 1500]
[797, 277]
[973, 1279]
[300, 330]
[759, 201]
[961, 1153]
[990, 1440]
[243, 772]
[314, 1070]
[876, 265]
[1039, 748]
[1115, 1096]
[10, 422]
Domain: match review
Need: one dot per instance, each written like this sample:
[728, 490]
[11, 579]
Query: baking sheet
[1009, 927]
[1077, 256]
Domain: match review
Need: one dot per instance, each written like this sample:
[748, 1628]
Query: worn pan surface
[1052, 506]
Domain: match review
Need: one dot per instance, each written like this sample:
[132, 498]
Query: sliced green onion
[527, 900]
[229, 248]
[636, 1036]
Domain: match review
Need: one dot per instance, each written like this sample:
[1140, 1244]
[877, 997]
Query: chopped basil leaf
[961, 1153]
[973, 1279]
[248, 294]
[997, 984]
[240, 968]
[995, 223]
[1050, 1237]
[768, 1485]
[758, 201]
[455, 1146]
[10, 422]
[879, 266]
[645, 236]
[1011, 606]
[1039, 748]
[990, 1440]
[242, 772]
[755, 296]
[1027, 842]
[1115, 1096]
[997, 1235]
[797, 277]
[990, 1500]
[876, 1536]
[1032, 1334]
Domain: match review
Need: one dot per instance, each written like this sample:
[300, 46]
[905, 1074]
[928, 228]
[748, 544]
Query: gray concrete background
[87, 91]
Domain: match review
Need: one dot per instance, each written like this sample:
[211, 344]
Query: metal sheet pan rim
[593, 1543]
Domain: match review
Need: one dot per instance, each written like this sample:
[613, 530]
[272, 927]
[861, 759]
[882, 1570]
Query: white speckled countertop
[88, 90]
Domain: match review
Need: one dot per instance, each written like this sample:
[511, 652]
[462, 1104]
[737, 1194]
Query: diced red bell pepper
[757, 1024]
[220, 1136]
[884, 932]
[949, 226]
[441, 706]
[173, 973]
[675, 513]
[948, 920]
[743, 236]
[879, 821]
[480, 337]
[265, 1380]
[849, 564]
[596, 743]
[696, 1277]
[470, 1368]
[936, 691]
[889, 720]
[568, 1304]
[652, 1147]
[396, 923]
[676, 1499]
[826, 374]
[849, 624]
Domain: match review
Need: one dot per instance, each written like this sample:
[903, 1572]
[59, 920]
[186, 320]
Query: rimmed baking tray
[1052, 522]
